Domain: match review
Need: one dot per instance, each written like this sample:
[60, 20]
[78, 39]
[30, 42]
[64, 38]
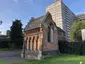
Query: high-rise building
[62, 16]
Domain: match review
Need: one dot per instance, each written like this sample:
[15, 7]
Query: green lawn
[58, 59]
[4, 49]
[3, 62]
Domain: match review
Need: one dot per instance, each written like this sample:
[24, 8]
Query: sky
[25, 9]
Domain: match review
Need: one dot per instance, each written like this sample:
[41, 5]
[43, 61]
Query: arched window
[33, 43]
[29, 42]
[48, 34]
[51, 34]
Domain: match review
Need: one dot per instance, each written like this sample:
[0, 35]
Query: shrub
[4, 43]
[72, 47]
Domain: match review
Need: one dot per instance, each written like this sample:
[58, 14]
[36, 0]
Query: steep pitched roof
[35, 22]
[60, 30]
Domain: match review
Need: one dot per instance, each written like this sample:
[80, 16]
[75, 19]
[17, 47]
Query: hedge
[72, 47]
[4, 43]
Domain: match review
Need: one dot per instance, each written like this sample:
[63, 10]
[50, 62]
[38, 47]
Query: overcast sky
[25, 9]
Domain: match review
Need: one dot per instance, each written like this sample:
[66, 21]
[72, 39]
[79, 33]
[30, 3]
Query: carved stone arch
[37, 43]
[51, 25]
[49, 15]
[27, 38]
[33, 42]
[25, 42]
[48, 18]
[29, 43]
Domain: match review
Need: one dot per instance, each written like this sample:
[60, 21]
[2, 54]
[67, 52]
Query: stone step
[32, 55]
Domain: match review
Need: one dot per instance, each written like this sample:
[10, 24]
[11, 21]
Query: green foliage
[16, 34]
[76, 27]
[4, 42]
[72, 47]
[8, 33]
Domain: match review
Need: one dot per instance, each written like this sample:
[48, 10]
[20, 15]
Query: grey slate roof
[34, 23]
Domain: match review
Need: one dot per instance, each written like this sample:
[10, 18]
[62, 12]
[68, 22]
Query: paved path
[11, 56]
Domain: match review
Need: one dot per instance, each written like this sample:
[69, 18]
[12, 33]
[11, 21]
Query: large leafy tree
[75, 33]
[16, 34]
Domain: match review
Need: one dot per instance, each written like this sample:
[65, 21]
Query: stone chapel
[40, 38]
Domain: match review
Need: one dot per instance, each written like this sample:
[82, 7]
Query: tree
[16, 34]
[8, 33]
[76, 27]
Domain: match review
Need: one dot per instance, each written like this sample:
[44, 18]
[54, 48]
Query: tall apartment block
[62, 16]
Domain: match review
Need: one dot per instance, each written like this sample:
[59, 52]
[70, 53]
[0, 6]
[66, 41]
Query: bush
[63, 46]
[4, 43]
[72, 47]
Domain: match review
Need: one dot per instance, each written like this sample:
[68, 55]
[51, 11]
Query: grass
[7, 49]
[58, 59]
[3, 62]
[4, 49]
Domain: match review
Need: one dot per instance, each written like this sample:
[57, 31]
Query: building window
[51, 35]
[48, 34]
